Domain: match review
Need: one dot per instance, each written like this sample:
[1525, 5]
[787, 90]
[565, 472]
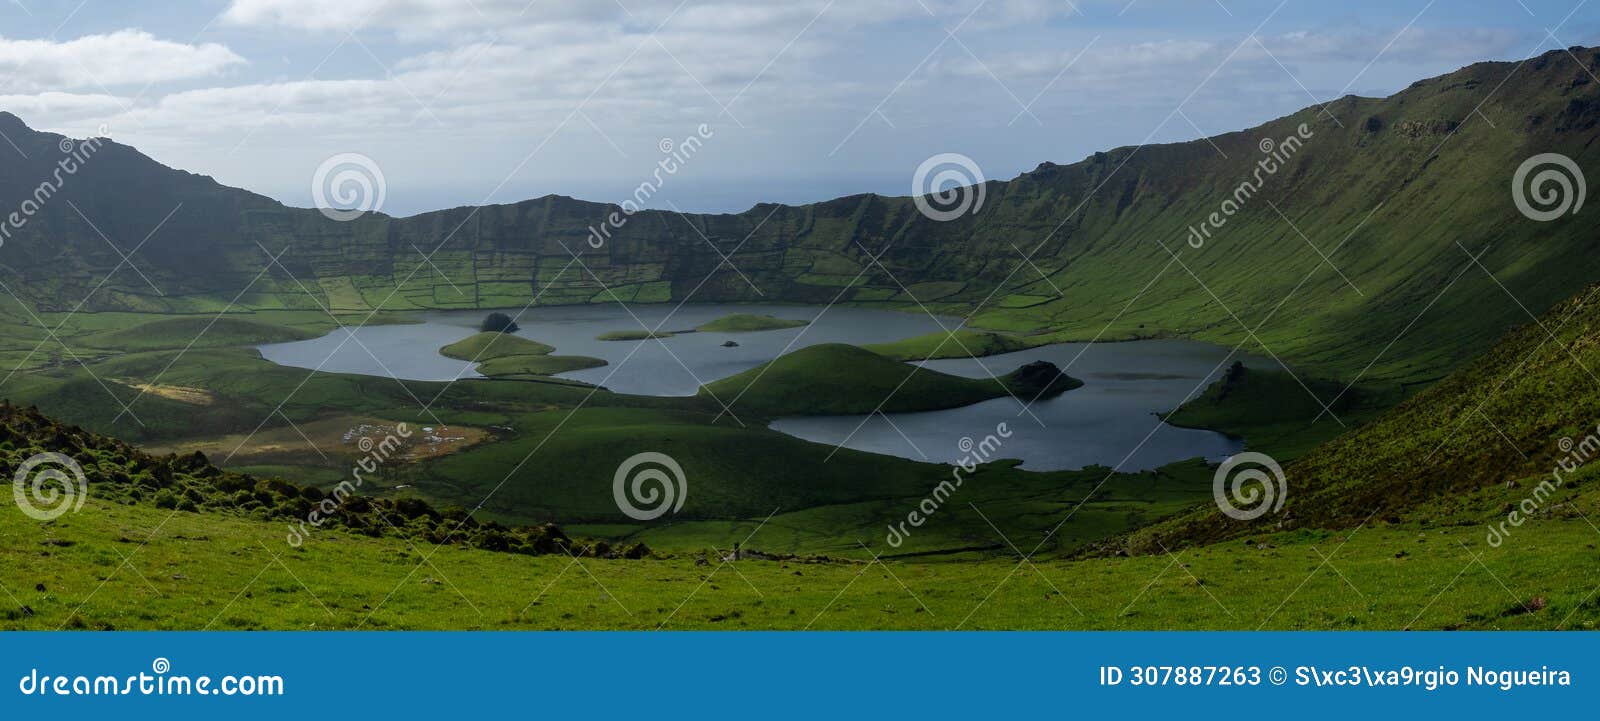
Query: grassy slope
[200, 570]
[122, 474]
[1502, 417]
[839, 379]
[747, 323]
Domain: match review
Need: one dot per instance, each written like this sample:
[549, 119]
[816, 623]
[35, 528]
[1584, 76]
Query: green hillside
[123, 474]
[1498, 428]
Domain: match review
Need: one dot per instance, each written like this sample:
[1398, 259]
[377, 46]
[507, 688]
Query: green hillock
[491, 345]
[839, 379]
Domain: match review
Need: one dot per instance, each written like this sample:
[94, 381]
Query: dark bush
[499, 323]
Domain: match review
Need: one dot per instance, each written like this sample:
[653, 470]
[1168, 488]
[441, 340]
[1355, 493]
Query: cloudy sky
[471, 101]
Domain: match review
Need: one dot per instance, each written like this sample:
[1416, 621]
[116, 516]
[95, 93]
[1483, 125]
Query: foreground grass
[136, 567]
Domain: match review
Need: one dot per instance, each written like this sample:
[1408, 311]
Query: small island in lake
[748, 323]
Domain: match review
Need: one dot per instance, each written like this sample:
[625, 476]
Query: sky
[466, 102]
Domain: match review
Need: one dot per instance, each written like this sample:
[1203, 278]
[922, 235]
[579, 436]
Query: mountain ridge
[1373, 184]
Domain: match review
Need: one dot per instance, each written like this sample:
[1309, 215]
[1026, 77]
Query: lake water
[675, 366]
[1109, 421]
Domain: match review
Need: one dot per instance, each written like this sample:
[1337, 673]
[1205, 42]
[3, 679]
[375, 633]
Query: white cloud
[1413, 44]
[425, 18]
[1133, 71]
[419, 19]
[121, 58]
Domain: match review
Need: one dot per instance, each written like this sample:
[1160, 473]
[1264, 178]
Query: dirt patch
[423, 443]
[181, 394]
[333, 442]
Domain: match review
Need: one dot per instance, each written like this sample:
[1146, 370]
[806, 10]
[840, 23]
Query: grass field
[135, 567]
